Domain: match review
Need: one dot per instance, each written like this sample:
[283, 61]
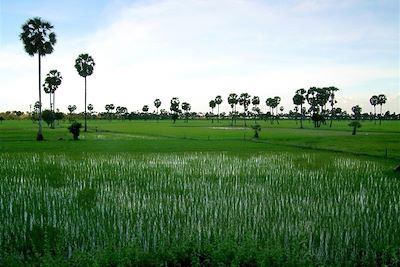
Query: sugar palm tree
[374, 101]
[381, 100]
[38, 39]
[157, 104]
[212, 106]
[255, 101]
[84, 65]
[90, 108]
[233, 100]
[299, 100]
[51, 83]
[244, 100]
[218, 101]
[186, 107]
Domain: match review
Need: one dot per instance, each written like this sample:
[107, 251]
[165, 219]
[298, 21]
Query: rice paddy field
[199, 194]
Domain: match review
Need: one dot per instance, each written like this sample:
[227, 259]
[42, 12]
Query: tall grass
[332, 210]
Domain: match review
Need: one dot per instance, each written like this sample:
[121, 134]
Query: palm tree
[244, 100]
[175, 108]
[331, 93]
[218, 101]
[157, 104]
[90, 108]
[381, 100]
[374, 101]
[212, 106]
[299, 100]
[51, 83]
[269, 103]
[38, 39]
[256, 101]
[186, 107]
[355, 125]
[145, 109]
[71, 109]
[275, 102]
[233, 100]
[357, 111]
[84, 65]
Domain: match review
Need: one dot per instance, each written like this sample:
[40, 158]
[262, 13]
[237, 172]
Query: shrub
[75, 129]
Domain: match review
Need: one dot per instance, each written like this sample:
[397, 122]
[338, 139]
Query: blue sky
[197, 49]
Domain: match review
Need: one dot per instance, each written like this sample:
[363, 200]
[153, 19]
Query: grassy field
[164, 136]
[148, 193]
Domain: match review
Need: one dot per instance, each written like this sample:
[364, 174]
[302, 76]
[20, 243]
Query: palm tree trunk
[380, 116]
[39, 136]
[85, 106]
[375, 113]
[301, 116]
[218, 114]
[54, 108]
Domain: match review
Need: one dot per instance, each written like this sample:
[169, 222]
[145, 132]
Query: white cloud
[196, 50]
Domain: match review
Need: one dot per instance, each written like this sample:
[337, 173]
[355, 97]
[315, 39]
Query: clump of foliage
[257, 129]
[1, 119]
[355, 125]
[75, 129]
[48, 117]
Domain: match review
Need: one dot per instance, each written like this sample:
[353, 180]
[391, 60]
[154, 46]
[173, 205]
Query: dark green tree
[51, 83]
[244, 100]
[84, 65]
[174, 107]
[186, 107]
[332, 101]
[75, 129]
[212, 105]
[299, 100]
[256, 101]
[381, 100]
[233, 100]
[218, 101]
[38, 38]
[374, 100]
[157, 104]
[355, 125]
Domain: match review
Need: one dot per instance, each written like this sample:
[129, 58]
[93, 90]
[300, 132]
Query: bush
[75, 129]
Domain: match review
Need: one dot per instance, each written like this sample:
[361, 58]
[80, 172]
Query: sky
[198, 49]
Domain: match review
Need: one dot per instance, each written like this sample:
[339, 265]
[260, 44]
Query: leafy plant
[75, 129]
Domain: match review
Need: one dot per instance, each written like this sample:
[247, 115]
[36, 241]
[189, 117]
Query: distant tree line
[38, 38]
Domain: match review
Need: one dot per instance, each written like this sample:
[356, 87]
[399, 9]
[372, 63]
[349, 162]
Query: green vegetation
[154, 193]
[303, 208]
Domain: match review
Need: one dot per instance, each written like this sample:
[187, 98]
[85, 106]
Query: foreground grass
[198, 209]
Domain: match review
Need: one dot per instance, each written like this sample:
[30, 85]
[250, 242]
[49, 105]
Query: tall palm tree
[381, 100]
[276, 101]
[332, 100]
[157, 104]
[299, 100]
[374, 101]
[51, 83]
[255, 101]
[244, 100]
[174, 106]
[218, 101]
[90, 108]
[84, 65]
[186, 107]
[212, 104]
[38, 39]
[233, 100]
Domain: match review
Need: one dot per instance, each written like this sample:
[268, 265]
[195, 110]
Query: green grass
[164, 136]
[148, 193]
